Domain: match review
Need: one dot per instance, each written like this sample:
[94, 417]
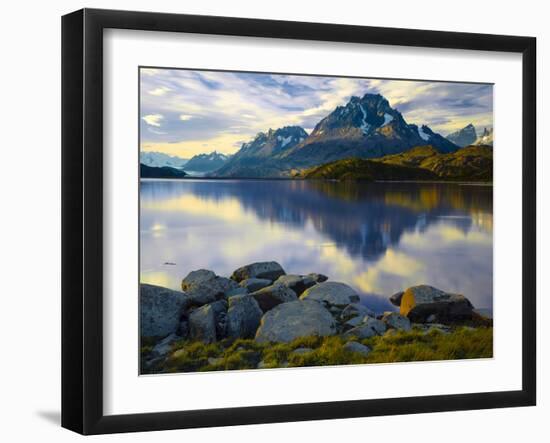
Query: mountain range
[463, 137]
[159, 159]
[206, 162]
[366, 127]
[486, 138]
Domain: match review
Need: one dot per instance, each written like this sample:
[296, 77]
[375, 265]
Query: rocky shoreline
[261, 306]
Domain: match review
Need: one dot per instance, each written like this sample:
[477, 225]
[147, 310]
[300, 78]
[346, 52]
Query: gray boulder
[272, 296]
[355, 310]
[300, 318]
[236, 291]
[378, 325]
[369, 328]
[270, 270]
[255, 284]
[243, 316]
[353, 322]
[317, 278]
[163, 347]
[160, 310]
[298, 283]
[331, 293]
[420, 303]
[220, 314]
[353, 346]
[203, 286]
[396, 321]
[202, 324]
[395, 299]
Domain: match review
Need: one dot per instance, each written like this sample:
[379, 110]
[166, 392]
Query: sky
[189, 112]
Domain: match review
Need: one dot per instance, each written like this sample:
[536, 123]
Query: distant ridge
[366, 127]
[463, 137]
[162, 172]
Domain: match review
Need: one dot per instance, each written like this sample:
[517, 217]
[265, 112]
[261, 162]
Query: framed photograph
[269, 221]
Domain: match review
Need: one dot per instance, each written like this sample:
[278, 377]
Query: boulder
[353, 322]
[369, 328]
[270, 270]
[331, 293]
[396, 321]
[317, 278]
[203, 286]
[420, 303]
[355, 310]
[395, 299]
[243, 316]
[254, 284]
[298, 283]
[160, 310]
[164, 347]
[300, 351]
[220, 314]
[353, 346]
[236, 291]
[272, 296]
[202, 324]
[300, 318]
[197, 278]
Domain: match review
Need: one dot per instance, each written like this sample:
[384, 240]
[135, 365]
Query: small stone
[353, 346]
[317, 278]
[396, 321]
[255, 284]
[298, 283]
[164, 347]
[215, 361]
[353, 322]
[300, 351]
[355, 310]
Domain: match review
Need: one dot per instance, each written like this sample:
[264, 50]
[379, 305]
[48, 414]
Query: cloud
[226, 107]
[153, 119]
[161, 90]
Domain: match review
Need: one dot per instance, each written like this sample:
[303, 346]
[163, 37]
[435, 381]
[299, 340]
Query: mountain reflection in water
[377, 237]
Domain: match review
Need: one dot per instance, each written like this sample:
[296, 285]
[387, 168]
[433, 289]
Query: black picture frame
[82, 220]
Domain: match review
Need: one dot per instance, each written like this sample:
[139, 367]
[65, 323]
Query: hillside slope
[419, 163]
[361, 169]
[162, 172]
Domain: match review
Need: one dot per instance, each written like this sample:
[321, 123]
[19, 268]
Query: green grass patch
[415, 345]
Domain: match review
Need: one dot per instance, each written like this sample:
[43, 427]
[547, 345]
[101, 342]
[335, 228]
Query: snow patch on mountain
[422, 134]
[387, 119]
[364, 126]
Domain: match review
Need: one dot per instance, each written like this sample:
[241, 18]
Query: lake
[379, 238]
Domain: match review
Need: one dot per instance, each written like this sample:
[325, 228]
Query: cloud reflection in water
[378, 237]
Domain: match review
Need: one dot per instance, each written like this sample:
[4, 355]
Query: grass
[415, 345]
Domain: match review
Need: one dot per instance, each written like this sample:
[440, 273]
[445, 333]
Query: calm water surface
[377, 237]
